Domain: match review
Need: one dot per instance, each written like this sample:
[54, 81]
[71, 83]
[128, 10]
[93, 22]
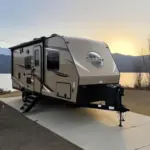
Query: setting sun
[123, 47]
[121, 41]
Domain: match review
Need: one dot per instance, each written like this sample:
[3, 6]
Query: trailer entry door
[37, 69]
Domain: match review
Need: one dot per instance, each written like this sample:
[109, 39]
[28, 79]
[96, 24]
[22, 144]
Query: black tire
[24, 96]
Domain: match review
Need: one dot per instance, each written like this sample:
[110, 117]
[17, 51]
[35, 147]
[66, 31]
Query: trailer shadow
[88, 128]
[79, 114]
[104, 117]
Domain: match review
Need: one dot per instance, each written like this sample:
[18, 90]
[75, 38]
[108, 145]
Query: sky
[123, 24]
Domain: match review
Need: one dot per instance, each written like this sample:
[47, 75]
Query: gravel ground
[19, 133]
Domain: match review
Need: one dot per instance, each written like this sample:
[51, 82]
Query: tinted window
[53, 60]
[28, 51]
[37, 57]
[19, 75]
[28, 62]
[28, 80]
[21, 50]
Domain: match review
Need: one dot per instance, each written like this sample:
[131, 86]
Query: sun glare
[123, 47]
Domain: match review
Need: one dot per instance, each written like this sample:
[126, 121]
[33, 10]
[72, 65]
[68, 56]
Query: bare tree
[146, 64]
[137, 68]
[143, 66]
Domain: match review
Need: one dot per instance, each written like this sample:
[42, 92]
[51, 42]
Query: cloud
[99, 19]
[4, 44]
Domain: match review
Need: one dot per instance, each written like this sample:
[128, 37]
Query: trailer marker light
[101, 81]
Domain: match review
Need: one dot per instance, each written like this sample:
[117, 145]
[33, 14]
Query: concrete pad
[91, 129]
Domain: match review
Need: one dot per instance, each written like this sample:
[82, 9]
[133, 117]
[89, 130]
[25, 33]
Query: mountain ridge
[125, 63]
[4, 51]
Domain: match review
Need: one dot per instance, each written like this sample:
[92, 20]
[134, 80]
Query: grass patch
[10, 94]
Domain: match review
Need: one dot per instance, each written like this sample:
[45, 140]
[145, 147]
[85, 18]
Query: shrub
[2, 91]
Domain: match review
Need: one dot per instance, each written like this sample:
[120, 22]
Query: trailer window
[53, 60]
[28, 62]
[28, 80]
[28, 51]
[36, 57]
[21, 50]
[19, 75]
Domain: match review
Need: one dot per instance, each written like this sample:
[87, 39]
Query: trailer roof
[41, 39]
[34, 41]
[83, 39]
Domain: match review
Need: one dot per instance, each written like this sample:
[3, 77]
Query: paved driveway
[91, 129]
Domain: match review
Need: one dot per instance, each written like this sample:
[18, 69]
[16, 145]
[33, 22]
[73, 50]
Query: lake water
[126, 79]
[5, 82]
[129, 79]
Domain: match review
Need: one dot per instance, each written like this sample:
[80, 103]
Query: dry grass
[137, 101]
[12, 94]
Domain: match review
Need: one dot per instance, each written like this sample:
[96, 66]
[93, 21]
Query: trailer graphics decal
[46, 89]
[60, 74]
[57, 48]
[21, 66]
[95, 59]
[39, 79]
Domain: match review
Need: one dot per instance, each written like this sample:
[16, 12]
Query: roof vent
[53, 35]
[35, 39]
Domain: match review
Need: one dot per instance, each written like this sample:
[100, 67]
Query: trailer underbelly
[98, 92]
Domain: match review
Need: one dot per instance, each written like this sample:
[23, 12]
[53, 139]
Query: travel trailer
[76, 70]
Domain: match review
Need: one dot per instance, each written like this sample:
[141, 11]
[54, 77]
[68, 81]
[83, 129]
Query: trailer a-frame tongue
[117, 106]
